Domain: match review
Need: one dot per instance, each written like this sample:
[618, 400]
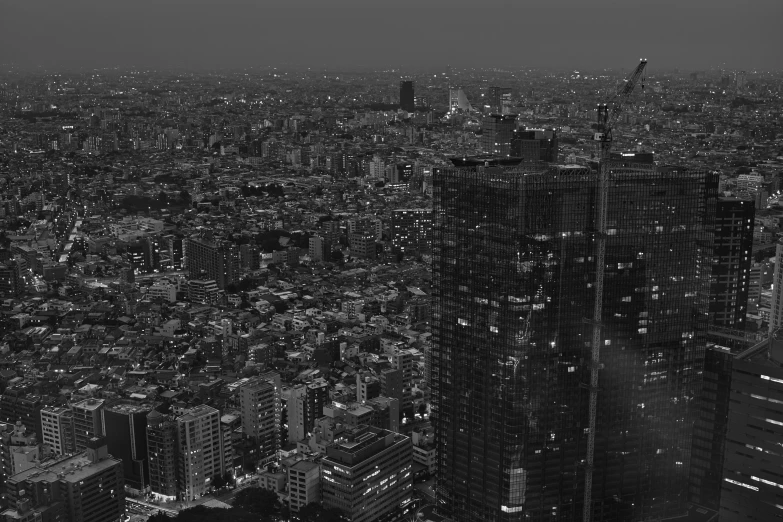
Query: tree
[259, 501]
[315, 512]
[159, 516]
[422, 408]
[218, 481]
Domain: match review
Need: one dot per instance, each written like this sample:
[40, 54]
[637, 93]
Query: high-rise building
[406, 96]
[732, 258]
[87, 421]
[87, 487]
[497, 131]
[411, 230]
[214, 260]
[162, 451]
[57, 429]
[305, 405]
[752, 485]
[535, 145]
[513, 279]
[402, 360]
[367, 474]
[500, 100]
[776, 313]
[125, 427]
[200, 451]
[261, 408]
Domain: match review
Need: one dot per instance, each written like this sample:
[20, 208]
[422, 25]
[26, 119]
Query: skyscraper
[513, 273]
[731, 262]
[497, 132]
[406, 96]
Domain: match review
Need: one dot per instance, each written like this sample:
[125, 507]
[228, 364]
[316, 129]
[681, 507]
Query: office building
[260, 404]
[535, 145]
[125, 427]
[406, 96]
[57, 429]
[305, 405]
[776, 313]
[393, 385]
[214, 260]
[752, 485]
[304, 484]
[367, 474]
[203, 291]
[87, 487]
[497, 130]
[162, 454]
[199, 451]
[732, 258]
[87, 421]
[500, 100]
[513, 279]
[411, 230]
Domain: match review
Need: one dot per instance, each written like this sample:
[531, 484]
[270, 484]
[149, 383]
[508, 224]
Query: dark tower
[731, 263]
[406, 95]
[513, 272]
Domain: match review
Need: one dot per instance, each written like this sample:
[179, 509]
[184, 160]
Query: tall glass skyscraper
[513, 280]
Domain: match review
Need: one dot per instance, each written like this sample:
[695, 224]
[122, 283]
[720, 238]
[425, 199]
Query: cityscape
[458, 290]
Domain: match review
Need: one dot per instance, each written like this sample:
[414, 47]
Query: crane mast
[607, 116]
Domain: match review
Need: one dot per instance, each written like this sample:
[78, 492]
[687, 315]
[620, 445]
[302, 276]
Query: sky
[405, 34]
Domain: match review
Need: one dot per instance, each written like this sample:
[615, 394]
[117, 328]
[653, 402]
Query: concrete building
[304, 484]
[87, 421]
[305, 405]
[212, 260]
[87, 487]
[260, 405]
[367, 474]
[319, 249]
[162, 452]
[57, 429]
[200, 451]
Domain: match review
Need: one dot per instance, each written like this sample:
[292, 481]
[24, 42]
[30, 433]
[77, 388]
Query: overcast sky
[574, 34]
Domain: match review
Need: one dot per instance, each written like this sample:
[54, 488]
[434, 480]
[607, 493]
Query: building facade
[87, 421]
[200, 456]
[513, 274]
[497, 130]
[260, 404]
[214, 260]
[125, 428]
[162, 451]
[411, 230]
[731, 263]
[57, 429]
[368, 474]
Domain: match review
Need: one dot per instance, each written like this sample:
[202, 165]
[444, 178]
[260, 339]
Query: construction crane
[607, 116]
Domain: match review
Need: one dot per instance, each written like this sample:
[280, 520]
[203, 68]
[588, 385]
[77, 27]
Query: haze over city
[200, 35]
